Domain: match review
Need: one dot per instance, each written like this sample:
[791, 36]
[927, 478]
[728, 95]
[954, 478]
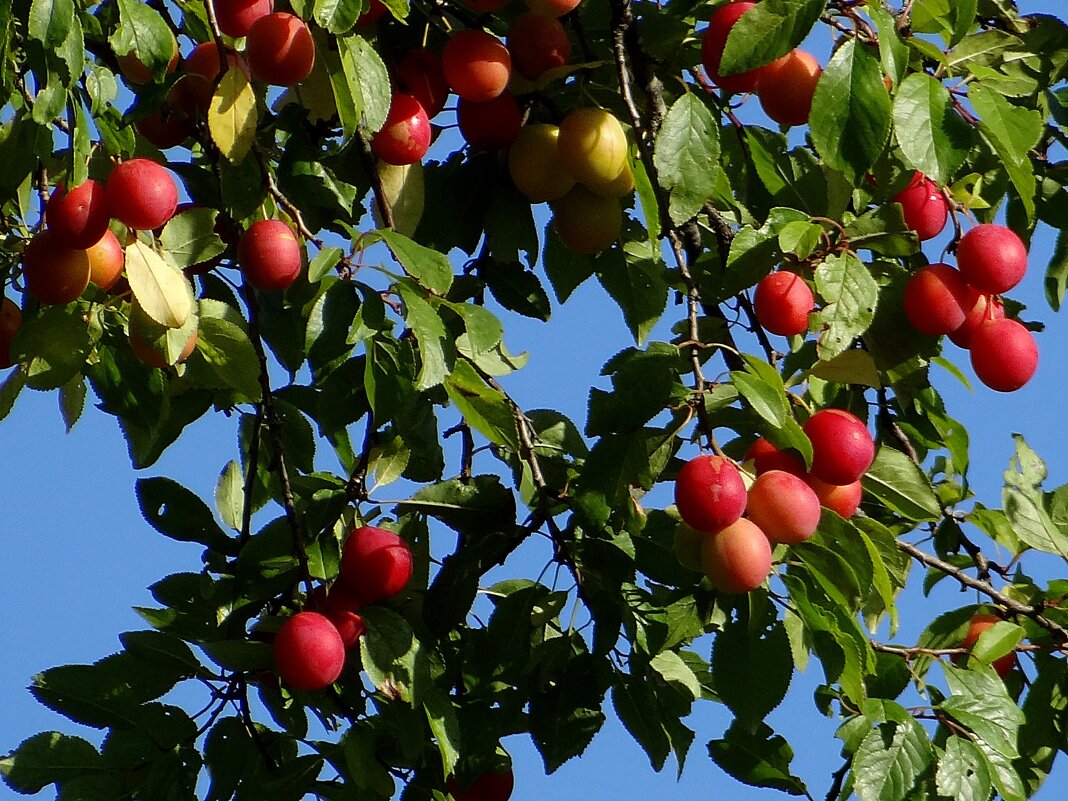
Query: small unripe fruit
[923, 207]
[10, 322]
[236, 16]
[737, 558]
[843, 500]
[593, 146]
[477, 65]
[106, 260]
[785, 508]
[270, 255]
[492, 125]
[141, 194]
[309, 654]
[375, 563]
[54, 273]
[992, 258]
[79, 216]
[782, 302]
[405, 137]
[842, 448]
[709, 493]
[766, 456]
[937, 299]
[786, 87]
[537, 43]
[1004, 354]
[979, 623]
[714, 40]
[979, 308]
[585, 222]
[534, 164]
[280, 49]
[419, 74]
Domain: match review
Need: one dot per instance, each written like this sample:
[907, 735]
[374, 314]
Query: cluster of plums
[963, 303]
[310, 647]
[784, 87]
[781, 506]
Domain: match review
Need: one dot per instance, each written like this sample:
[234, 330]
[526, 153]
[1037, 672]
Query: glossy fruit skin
[476, 65]
[992, 258]
[375, 11]
[978, 309]
[782, 302]
[375, 563]
[785, 508]
[937, 299]
[715, 39]
[280, 49]
[979, 623]
[765, 456]
[236, 16]
[493, 125]
[537, 43]
[54, 274]
[535, 166]
[1004, 354]
[141, 194]
[419, 73]
[786, 87]
[405, 137]
[487, 787]
[737, 558]
[10, 322]
[923, 206]
[593, 146]
[166, 126]
[585, 222]
[78, 216]
[709, 493]
[843, 500]
[309, 653]
[842, 448]
[348, 624]
[106, 260]
[270, 255]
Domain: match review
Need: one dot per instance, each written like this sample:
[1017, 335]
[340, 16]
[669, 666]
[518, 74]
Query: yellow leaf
[405, 192]
[161, 289]
[232, 115]
[851, 367]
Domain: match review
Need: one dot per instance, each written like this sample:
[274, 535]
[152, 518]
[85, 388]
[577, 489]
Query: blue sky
[78, 555]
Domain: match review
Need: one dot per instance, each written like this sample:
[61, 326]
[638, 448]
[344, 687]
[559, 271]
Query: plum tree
[980, 622]
[484, 562]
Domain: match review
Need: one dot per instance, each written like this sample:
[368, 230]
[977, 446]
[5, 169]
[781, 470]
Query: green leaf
[981, 702]
[962, 772]
[190, 237]
[142, 31]
[1024, 502]
[771, 29]
[1056, 279]
[997, 641]
[752, 667]
[177, 513]
[72, 401]
[882, 230]
[516, 288]
[933, 137]
[850, 294]
[851, 105]
[164, 650]
[230, 356]
[323, 263]
[368, 80]
[674, 670]
[1012, 131]
[891, 760]
[48, 758]
[893, 52]
[482, 406]
[762, 386]
[436, 348]
[638, 286]
[230, 495]
[388, 652]
[161, 289]
[636, 704]
[565, 716]
[686, 144]
[760, 758]
[898, 482]
[428, 267]
[53, 347]
[51, 21]
[337, 16]
[479, 505]
[850, 367]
